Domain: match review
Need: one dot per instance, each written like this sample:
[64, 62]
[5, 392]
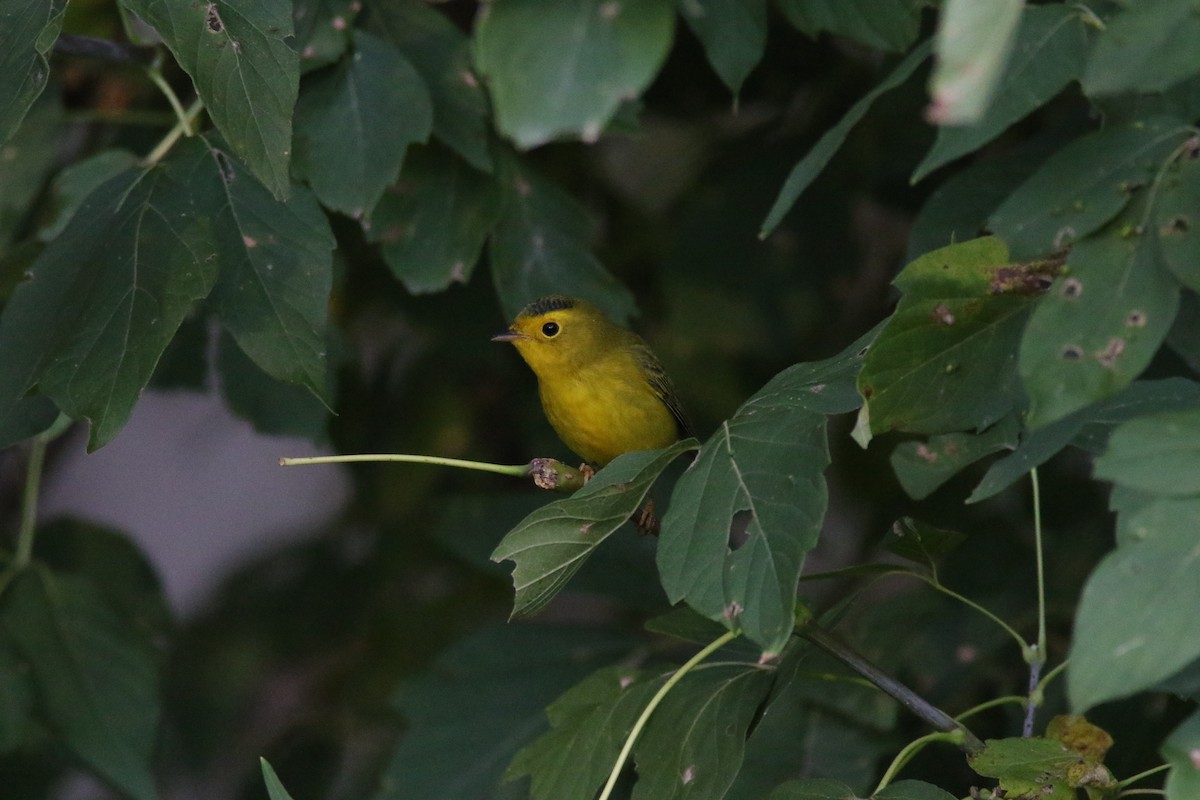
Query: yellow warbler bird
[602, 388]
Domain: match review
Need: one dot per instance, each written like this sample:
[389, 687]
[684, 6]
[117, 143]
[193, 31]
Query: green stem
[910, 750]
[1050, 676]
[155, 75]
[183, 125]
[905, 696]
[1035, 656]
[971, 603]
[1141, 775]
[33, 482]
[517, 470]
[1131, 792]
[1012, 699]
[634, 732]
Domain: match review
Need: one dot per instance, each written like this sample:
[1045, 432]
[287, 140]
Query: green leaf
[275, 790]
[813, 789]
[110, 561]
[276, 273]
[733, 32]
[441, 53]
[272, 407]
[694, 742]
[1183, 781]
[1134, 626]
[551, 544]
[589, 725]
[1145, 47]
[29, 30]
[759, 476]
[1048, 53]
[921, 542]
[244, 69]
[972, 45]
[29, 417]
[1037, 446]
[809, 167]
[539, 247]
[890, 25]
[96, 679]
[912, 790]
[945, 360]
[1084, 185]
[482, 700]
[1177, 215]
[563, 69]
[432, 224]
[25, 161]
[1028, 766]
[354, 122]
[79, 180]
[1159, 454]
[17, 697]
[323, 30]
[107, 295]
[921, 467]
[1099, 325]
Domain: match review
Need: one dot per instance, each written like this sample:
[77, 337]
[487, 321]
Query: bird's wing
[662, 386]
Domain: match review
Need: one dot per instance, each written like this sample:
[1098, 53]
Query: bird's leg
[646, 521]
[586, 471]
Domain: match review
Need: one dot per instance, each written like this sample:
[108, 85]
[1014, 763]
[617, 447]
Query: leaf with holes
[551, 544]
[96, 677]
[1084, 185]
[433, 223]
[733, 32]
[563, 69]
[29, 30]
[945, 360]
[244, 69]
[694, 743]
[354, 123]
[1099, 325]
[1048, 53]
[539, 247]
[764, 468]
[761, 471]
[1135, 624]
[441, 53]
[276, 272]
[107, 295]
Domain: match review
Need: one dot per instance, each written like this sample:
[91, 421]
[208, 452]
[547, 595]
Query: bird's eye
[550, 329]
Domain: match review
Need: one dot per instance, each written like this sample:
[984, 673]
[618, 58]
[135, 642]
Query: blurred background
[298, 601]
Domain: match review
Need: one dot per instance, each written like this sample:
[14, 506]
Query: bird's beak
[509, 336]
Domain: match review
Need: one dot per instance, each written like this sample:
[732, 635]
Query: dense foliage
[289, 200]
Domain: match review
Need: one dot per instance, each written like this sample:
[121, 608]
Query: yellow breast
[607, 409]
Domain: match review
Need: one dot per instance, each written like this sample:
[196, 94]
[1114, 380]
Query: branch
[906, 697]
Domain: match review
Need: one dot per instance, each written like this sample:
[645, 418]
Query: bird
[602, 389]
